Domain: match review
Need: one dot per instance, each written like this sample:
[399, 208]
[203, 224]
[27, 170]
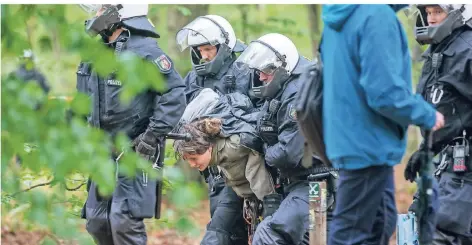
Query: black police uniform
[227, 225]
[283, 149]
[119, 219]
[229, 79]
[446, 82]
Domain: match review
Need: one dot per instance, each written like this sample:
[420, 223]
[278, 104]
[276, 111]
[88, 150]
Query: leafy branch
[49, 183]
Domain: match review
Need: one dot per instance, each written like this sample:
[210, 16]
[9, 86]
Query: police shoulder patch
[292, 113]
[164, 63]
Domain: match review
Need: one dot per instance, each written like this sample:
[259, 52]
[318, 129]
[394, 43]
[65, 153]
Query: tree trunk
[175, 21]
[29, 31]
[244, 9]
[313, 20]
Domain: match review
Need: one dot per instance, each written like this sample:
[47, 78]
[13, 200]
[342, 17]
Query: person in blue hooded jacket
[368, 104]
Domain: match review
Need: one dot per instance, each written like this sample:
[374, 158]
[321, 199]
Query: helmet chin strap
[107, 39]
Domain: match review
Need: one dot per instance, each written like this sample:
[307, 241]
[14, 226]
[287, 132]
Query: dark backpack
[309, 107]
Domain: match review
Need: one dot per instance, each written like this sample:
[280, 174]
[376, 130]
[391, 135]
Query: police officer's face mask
[105, 22]
[270, 83]
[269, 69]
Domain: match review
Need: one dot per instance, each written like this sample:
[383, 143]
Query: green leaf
[184, 224]
[184, 11]
[81, 104]
[37, 213]
[184, 196]
[128, 164]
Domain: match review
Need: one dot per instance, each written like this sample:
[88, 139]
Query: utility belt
[446, 163]
[454, 158]
[316, 172]
[291, 179]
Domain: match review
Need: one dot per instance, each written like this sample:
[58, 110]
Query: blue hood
[335, 15]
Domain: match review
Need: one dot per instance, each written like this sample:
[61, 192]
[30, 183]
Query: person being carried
[222, 136]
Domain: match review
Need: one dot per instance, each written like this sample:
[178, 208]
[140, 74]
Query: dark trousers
[227, 225]
[365, 211]
[448, 238]
[289, 224]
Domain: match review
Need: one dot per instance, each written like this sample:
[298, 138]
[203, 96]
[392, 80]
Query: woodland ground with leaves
[59, 155]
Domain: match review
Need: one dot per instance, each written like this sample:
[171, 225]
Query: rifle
[425, 185]
[159, 165]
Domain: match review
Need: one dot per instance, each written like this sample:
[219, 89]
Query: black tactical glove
[146, 145]
[413, 165]
[270, 204]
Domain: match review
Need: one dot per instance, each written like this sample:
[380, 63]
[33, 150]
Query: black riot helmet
[108, 17]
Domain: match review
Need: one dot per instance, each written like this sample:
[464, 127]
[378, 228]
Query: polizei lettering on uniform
[114, 82]
[267, 129]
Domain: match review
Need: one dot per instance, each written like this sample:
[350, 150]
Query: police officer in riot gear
[150, 115]
[275, 69]
[27, 71]
[446, 83]
[213, 47]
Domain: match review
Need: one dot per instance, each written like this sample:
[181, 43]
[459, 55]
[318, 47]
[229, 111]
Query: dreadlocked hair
[204, 134]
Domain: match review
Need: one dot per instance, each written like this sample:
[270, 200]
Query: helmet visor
[259, 57]
[199, 32]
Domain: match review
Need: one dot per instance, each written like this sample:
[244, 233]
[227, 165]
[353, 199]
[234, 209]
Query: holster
[270, 204]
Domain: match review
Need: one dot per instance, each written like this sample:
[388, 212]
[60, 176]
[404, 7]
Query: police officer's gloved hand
[270, 204]
[146, 145]
[413, 165]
